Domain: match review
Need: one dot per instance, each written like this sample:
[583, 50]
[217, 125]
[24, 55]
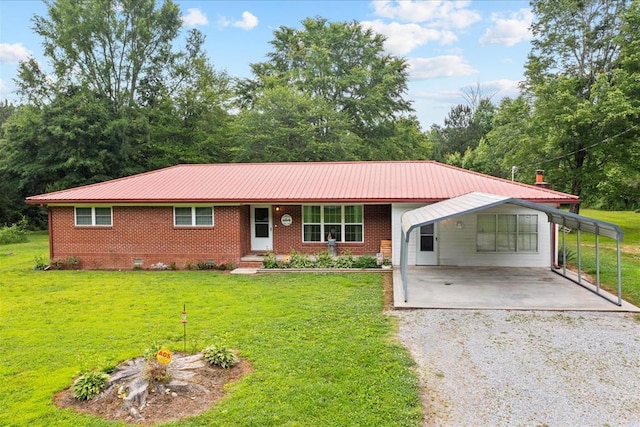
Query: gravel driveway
[512, 368]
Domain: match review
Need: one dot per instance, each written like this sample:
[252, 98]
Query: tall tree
[342, 64]
[120, 97]
[464, 127]
[507, 144]
[575, 50]
[286, 125]
[188, 110]
[106, 46]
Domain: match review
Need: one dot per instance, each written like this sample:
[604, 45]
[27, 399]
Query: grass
[630, 253]
[322, 350]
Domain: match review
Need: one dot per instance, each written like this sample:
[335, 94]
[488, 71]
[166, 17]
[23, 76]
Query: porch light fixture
[459, 225]
[277, 208]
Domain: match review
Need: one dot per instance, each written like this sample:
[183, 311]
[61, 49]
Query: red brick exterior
[148, 234]
[377, 227]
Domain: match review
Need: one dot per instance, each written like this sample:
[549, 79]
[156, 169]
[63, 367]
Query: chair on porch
[385, 249]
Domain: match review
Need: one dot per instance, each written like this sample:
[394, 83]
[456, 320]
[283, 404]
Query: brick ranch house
[188, 214]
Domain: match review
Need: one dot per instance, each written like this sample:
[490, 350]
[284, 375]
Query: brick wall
[377, 227]
[147, 233]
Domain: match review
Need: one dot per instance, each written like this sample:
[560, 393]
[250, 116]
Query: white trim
[261, 243]
[343, 223]
[517, 233]
[193, 216]
[93, 216]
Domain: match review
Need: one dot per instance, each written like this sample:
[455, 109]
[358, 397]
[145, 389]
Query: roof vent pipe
[540, 180]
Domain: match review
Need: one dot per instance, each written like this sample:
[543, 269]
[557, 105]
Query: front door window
[426, 238]
[261, 222]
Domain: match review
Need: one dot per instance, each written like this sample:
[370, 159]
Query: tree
[107, 47]
[464, 128]
[71, 141]
[188, 111]
[160, 104]
[341, 65]
[6, 110]
[286, 125]
[575, 51]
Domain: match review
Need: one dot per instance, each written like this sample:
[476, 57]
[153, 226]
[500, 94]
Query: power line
[581, 149]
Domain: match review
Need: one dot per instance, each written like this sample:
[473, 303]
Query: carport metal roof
[475, 201]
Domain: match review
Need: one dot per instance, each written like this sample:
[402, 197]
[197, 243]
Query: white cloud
[13, 53]
[248, 21]
[439, 66]
[501, 88]
[403, 38]
[438, 13]
[509, 29]
[194, 17]
[408, 24]
[223, 22]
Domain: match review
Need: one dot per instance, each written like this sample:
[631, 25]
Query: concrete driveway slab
[497, 288]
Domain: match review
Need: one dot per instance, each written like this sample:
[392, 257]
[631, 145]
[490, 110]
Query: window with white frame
[93, 216]
[507, 233]
[193, 216]
[345, 223]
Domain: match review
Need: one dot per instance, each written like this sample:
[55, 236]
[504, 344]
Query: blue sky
[450, 45]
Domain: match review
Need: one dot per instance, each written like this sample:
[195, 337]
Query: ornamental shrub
[366, 261]
[89, 385]
[344, 261]
[324, 260]
[270, 261]
[299, 260]
[220, 355]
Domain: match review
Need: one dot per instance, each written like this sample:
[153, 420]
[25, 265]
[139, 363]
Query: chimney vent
[540, 180]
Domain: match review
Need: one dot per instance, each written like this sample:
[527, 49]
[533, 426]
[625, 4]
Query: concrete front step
[249, 264]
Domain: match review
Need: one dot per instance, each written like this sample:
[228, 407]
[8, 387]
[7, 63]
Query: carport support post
[579, 259]
[619, 272]
[403, 264]
[597, 258]
[553, 241]
[564, 247]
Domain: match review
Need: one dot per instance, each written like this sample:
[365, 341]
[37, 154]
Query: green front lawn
[323, 352]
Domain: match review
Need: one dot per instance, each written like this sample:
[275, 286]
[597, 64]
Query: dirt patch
[387, 291]
[197, 390]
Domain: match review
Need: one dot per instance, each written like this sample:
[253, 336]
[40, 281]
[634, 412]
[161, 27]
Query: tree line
[121, 97]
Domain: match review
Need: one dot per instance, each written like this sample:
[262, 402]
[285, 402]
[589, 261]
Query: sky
[450, 46]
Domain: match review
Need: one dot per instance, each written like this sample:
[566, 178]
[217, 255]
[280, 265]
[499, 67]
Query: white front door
[427, 251]
[261, 228]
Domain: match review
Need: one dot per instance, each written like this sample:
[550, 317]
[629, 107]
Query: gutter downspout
[50, 221]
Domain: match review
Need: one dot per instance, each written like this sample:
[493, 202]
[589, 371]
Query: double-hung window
[93, 216]
[345, 223]
[507, 233]
[193, 216]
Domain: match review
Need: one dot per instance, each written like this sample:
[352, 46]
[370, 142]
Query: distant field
[630, 224]
[323, 352]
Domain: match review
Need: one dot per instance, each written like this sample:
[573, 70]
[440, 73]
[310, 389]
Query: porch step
[250, 264]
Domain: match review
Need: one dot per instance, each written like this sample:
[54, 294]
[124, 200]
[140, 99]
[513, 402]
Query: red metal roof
[364, 182]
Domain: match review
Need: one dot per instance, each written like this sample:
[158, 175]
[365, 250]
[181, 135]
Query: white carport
[474, 202]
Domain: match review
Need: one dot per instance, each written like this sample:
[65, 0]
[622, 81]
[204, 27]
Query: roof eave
[37, 201]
